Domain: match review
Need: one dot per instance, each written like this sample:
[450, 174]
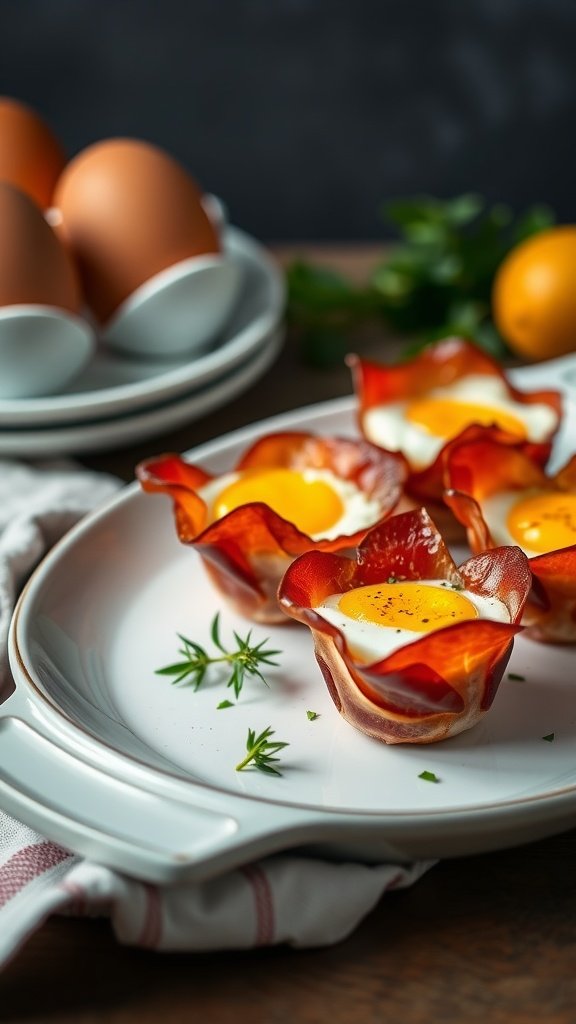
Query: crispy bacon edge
[477, 470]
[247, 551]
[434, 687]
[550, 615]
[439, 365]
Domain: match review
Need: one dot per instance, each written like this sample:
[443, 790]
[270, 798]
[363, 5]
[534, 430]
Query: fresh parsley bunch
[436, 281]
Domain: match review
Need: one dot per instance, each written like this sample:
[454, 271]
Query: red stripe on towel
[263, 903]
[26, 865]
[151, 932]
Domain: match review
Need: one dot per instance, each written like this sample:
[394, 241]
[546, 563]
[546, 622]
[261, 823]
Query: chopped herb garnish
[224, 704]
[261, 752]
[549, 738]
[392, 579]
[516, 677]
[429, 776]
[312, 715]
[242, 661]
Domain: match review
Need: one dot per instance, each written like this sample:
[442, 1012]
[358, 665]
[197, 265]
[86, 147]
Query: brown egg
[34, 265]
[30, 155]
[128, 210]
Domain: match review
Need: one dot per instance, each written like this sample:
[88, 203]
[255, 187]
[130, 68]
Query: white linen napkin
[281, 899]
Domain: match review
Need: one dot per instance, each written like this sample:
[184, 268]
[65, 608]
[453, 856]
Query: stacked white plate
[117, 401]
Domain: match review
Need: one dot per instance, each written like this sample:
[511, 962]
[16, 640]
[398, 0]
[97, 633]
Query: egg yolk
[544, 522]
[414, 606]
[447, 417]
[312, 505]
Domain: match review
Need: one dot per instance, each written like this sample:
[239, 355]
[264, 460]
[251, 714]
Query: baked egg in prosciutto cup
[419, 406]
[412, 647]
[501, 496]
[290, 492]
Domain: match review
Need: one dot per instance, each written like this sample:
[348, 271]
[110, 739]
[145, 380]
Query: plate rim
[459, 812]
[142, 423]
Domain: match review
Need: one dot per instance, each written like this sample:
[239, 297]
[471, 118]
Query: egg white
[360, 511]
[370, 642]
[387, 425]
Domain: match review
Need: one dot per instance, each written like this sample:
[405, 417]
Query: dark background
[305, 115]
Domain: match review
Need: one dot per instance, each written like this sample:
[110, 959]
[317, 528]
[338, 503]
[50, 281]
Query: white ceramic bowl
[179, 311]
[42, 348]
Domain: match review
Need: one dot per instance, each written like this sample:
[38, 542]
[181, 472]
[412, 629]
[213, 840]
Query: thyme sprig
[244, 661]
[260, 752]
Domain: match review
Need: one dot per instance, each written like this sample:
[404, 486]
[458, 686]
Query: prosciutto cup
[439, 366]
[433, 687]
[482, 470]
[247, 551]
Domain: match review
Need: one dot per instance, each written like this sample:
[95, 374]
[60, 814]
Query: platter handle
[147, 834]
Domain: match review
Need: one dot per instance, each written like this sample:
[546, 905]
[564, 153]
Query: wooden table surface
[484, 938]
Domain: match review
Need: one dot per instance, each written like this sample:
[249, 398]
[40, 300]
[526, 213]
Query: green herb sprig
[260, 752]
[245, 660]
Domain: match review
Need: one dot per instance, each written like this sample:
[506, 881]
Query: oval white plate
[112, 385]
[106, 756]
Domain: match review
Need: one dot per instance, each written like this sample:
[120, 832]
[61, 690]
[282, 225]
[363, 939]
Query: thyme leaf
[244, 660]
[261, 751]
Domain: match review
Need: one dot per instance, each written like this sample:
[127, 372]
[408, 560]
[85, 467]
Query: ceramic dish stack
[118, 400]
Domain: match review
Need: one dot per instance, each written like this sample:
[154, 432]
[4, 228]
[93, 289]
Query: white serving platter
[101, 754]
